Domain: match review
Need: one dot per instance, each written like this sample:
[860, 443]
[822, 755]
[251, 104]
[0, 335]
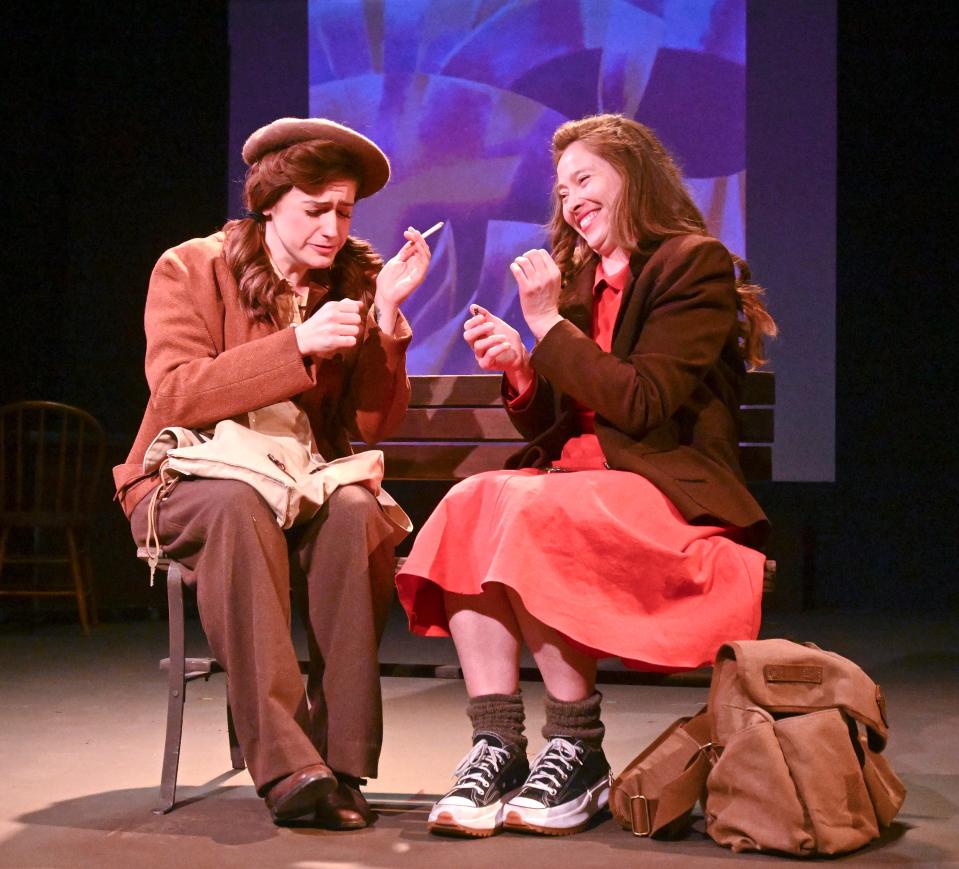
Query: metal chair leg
[177, 690]
[236, 753]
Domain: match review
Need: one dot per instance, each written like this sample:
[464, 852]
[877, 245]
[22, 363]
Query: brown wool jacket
[206, 362]
[667, 397]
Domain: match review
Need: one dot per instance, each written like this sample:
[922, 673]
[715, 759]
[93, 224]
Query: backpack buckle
[640, 813]
[710, 751]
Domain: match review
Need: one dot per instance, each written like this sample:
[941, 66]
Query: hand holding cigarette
[401, 275]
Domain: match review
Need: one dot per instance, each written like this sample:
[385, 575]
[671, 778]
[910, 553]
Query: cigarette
[433, 229]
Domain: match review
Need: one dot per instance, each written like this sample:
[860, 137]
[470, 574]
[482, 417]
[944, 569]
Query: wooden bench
[455, 427]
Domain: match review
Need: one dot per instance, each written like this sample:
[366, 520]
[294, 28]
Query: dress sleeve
[379, 390]
[692, 311]
[195, 383]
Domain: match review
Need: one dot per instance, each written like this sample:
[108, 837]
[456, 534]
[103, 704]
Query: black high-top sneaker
[568, 784]
[474, 805]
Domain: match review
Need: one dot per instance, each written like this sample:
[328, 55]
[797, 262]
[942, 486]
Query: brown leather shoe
[299, 792]
[344, 809]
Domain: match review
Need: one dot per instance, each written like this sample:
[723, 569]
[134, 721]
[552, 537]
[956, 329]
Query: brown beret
[282, 133]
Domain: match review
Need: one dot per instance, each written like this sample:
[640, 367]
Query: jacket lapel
[632, 311]
[580, 310]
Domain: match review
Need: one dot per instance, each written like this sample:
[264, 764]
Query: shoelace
[477, 768]
[553, 765]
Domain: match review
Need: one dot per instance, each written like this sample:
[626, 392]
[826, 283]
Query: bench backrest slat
[457, 461]
[455, 390]
[492, 424]
[456, 427]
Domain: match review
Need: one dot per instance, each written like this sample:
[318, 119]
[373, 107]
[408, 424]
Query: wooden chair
[454, 428]
[51, 455]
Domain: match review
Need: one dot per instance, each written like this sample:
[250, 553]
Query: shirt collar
[302, 294]
[616, 281]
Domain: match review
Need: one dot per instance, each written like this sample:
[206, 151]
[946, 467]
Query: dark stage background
[117, 128]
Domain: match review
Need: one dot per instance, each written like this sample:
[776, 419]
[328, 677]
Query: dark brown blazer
[667, 396]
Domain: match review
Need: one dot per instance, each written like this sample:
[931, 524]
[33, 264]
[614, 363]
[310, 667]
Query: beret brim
[283, 132]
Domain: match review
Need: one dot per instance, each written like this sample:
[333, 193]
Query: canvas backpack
[786, 757]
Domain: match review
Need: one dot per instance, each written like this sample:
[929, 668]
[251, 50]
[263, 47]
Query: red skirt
[601, 556]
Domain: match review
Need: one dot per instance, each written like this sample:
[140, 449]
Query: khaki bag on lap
[272, 450]
[786, 757]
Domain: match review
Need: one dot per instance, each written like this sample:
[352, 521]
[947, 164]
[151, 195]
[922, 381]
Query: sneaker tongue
[491, 739]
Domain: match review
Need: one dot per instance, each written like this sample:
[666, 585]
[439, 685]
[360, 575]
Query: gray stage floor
[81, 728]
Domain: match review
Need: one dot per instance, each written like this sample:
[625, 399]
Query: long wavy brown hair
[654, 205]
[304, 165]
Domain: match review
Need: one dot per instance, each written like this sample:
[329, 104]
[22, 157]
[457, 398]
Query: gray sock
[499, 714]
[578, 719]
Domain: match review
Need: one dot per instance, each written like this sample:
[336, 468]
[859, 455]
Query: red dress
[602, 556]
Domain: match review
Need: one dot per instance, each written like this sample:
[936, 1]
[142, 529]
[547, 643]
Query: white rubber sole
[475, 822]
[564, 820]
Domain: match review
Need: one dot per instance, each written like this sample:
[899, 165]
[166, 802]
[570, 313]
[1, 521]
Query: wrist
[298, 334]
[385, 314]
[539, 326]
[521, 375]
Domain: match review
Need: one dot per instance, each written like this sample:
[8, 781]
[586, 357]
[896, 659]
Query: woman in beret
[285, 304]
[624, 527]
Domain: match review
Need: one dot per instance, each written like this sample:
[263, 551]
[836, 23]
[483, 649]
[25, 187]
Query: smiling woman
[220, 346]
[624, 528]
[589, 190]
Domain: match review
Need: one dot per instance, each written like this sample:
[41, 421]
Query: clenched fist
[334, 327]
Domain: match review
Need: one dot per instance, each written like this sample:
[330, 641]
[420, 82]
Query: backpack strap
[656, 792]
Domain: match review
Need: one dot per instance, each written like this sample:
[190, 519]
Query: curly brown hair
[304, 165]
[654, 205]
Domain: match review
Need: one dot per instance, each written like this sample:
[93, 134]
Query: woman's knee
[352, 505]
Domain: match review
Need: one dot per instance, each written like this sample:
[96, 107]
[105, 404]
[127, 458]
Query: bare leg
[487, 639]
[568, 673]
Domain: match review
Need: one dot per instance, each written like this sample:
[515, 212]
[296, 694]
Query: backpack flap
[731, 708]
[786, 677]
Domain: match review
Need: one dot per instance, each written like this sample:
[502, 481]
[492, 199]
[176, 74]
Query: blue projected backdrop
[464, 95]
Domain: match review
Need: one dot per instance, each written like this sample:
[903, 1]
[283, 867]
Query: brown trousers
[241, 564]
